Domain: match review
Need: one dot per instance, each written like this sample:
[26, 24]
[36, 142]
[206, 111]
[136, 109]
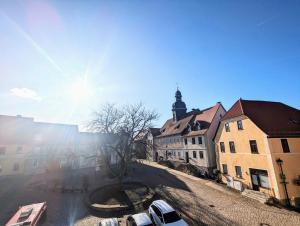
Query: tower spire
[179, 107]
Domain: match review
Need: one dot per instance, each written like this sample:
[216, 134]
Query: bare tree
[125, 125]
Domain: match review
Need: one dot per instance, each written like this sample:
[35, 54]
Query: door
[187, 158]
[258, 178]
[255, 182]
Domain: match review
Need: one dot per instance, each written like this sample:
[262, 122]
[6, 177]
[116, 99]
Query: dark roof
[274, 118]
[204, 117]
[155, 131]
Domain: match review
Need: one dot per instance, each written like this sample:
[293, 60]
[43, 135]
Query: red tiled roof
[173, 128]
[204, 117]
[274, 118]
[208, 114]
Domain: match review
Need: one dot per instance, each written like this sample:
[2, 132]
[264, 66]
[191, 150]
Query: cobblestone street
[200, 202]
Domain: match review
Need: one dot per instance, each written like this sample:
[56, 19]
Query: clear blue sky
[61, 59]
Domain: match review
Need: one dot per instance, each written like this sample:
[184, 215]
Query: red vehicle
[28, 215]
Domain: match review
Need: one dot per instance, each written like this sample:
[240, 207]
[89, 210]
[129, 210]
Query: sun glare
[80, 90]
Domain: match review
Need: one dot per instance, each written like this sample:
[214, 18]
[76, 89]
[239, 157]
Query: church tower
[179, 107]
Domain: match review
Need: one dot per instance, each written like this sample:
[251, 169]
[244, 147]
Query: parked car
[29, 215]
[140, 219]
[109, 222]
[161, 213]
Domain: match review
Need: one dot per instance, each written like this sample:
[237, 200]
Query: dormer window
[177, 127]
[189, 128]
[198, 126]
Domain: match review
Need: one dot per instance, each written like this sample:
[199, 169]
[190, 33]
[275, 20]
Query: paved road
[212, 204]
[199, 201]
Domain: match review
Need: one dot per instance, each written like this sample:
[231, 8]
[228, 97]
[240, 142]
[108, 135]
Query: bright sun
[80, 90]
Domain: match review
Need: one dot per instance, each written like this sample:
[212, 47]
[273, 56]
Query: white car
[109, 222]
[140, 219]
[161, 213]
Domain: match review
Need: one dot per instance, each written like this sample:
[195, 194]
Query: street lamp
[283, 180]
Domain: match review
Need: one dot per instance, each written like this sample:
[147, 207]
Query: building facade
[152, 144]
[29, 147]
[258, 146]
[188, 136]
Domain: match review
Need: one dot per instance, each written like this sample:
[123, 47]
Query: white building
[188, 136]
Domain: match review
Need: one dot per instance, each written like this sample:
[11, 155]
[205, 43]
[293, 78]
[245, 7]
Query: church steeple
[179, 107]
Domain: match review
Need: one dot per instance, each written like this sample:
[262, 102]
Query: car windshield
[171, 217]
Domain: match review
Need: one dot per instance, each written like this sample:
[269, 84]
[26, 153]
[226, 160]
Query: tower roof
[178, 94]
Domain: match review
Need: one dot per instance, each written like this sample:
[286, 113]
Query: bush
[189, 169]
[167, 163]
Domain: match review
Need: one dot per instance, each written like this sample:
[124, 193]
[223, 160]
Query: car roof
[29, 213]
[141, 218]
[109, 222]
[163, 206]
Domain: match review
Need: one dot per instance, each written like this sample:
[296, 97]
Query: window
[253, 147]
[225, 169]
[264, 181]
[16, 167]
[200, 140]
[19, 149]
[157, 212]
[239, 125]
[2, 150]
[179, 155]
[193, 140]
[227, 128]
[185, 141]
[198, 126]
[130, 222]
[232, 147]
[285, 145]
[171, 217]
[194, 154]
[222, 146]
[238, 171]
[201, 154]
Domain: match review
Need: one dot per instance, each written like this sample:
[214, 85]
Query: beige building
[29, 147]
[258, 147]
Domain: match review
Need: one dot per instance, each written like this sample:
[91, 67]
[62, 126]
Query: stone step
[256, 195]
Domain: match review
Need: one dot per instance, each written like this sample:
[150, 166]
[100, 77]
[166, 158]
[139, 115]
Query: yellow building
[258, 146]
[28, 147]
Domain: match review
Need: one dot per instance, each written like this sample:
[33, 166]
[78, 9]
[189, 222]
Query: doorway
[187, 159]
[259, 178]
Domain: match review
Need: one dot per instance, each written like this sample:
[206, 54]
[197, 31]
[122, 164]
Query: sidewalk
[208, 183]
